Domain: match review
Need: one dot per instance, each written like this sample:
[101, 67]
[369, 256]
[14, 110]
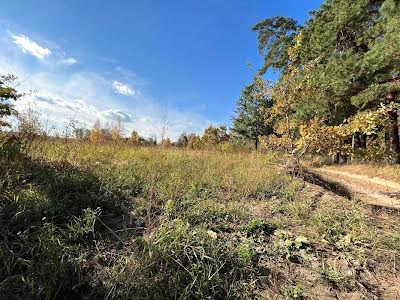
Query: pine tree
[249, 121]
[354, 49]
[341, 69]
[7, 94]
[275, 37]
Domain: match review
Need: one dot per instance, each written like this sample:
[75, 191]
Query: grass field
[80, 220]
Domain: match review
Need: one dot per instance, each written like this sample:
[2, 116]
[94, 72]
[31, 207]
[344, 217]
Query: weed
[259, 227]
[391, 241]
[335, 279]
[290, 247]
[98, 221]
[348, 230]
[293, 292]
[178, 261]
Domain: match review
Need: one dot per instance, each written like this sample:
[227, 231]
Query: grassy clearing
[100, 221]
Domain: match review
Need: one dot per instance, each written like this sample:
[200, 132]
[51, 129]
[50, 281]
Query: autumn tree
[214, 135]
[166, 143]
[380, 65]
[135, 138]
[341, 71]
[249, 121]
[356, 60]
[117, 130]
[96, 134]
[194, 141]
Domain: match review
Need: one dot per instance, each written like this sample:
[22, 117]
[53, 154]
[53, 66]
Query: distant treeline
[212, 137]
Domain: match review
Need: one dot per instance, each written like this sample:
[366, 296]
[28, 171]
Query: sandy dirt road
[372, 190]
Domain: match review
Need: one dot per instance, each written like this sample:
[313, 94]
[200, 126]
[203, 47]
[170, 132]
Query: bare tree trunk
[395, 141]
[387, 139]
[363, 140]
[256, 144]
[335, 158]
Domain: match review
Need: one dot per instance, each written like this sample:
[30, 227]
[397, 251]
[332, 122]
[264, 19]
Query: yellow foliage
[317, 137]
[95, 134]
[370, 121]
[194, 142]
[166, 143]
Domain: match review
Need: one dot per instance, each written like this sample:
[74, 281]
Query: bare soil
[372, 190]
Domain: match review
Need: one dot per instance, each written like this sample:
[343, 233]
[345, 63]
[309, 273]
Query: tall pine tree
[275, 37]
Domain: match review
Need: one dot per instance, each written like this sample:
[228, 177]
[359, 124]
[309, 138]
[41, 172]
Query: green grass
[80, 220]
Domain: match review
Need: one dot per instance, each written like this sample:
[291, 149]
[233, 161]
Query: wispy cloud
[69, 61]
[86, 96]
[31, 47]
[123, 89]
[115, 114]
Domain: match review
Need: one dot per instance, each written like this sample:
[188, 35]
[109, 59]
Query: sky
[141, 61]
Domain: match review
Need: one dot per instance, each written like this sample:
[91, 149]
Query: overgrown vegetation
[102, 216]
[154, 223]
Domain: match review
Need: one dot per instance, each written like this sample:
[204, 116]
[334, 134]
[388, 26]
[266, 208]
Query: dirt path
[373, 190]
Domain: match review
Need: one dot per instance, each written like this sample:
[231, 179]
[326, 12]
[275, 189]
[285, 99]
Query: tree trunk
[335, 158]
[387, 139]
[256, 144]
[356, 140]
[395, 141]
[363, 140]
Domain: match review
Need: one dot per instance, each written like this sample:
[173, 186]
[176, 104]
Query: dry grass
[96, 221]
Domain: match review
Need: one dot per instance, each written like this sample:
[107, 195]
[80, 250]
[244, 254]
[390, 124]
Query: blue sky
[141, 60]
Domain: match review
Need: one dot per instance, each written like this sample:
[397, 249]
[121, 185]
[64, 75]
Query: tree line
[338, 90]
[211, 137]
[29, 127]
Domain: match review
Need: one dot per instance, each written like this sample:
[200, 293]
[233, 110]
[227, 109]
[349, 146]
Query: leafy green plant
[293, 292]
[258, 226]
[290, 247]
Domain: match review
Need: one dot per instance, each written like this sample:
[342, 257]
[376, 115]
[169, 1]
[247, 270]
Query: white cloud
[68, 61]
[31, 47]
[87, 96]
[115, 114]
[123, 89]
